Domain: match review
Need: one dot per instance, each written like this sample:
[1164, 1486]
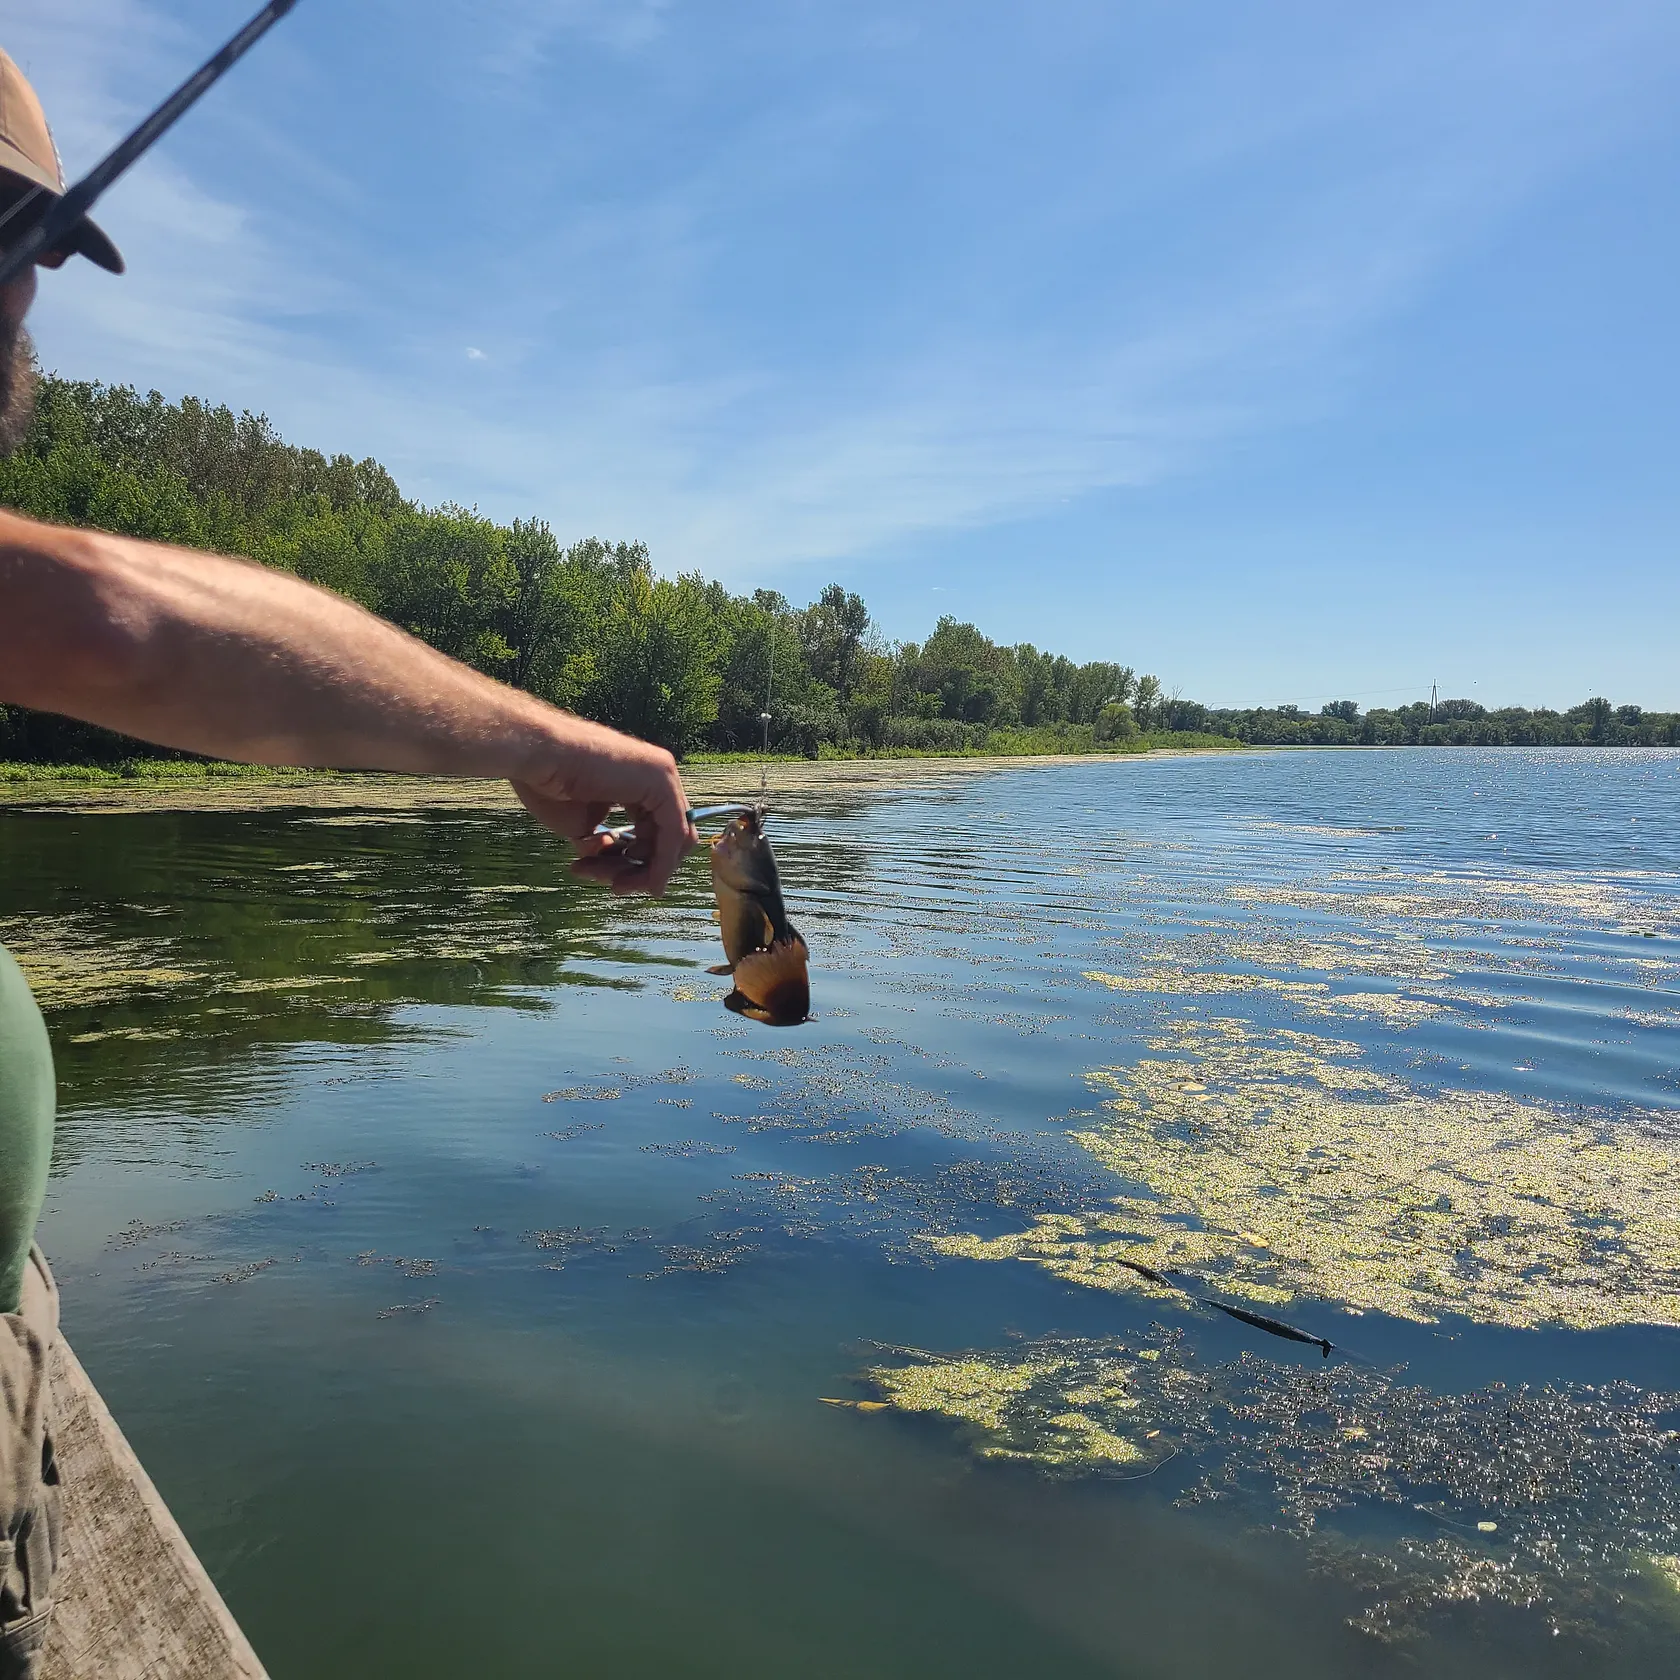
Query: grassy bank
[1003, 744]
[1022, 743]
[165, 770]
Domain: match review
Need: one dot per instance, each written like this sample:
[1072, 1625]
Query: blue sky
[1289, 351]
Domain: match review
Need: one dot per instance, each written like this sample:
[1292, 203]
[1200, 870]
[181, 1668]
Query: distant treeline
[1445, 723]
[589, 626]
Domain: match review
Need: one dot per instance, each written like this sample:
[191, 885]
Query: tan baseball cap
[28, 158]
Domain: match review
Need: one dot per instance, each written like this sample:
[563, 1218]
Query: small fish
[767, 956]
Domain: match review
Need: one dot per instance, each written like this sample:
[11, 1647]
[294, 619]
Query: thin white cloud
[599, 398]
[519, 34]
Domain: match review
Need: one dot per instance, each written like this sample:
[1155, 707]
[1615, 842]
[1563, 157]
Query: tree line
[591, 627]
[587, 625]
[1443, 723]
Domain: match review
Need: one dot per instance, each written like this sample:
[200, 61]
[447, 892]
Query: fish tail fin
[777, 981]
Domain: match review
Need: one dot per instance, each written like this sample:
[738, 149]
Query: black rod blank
[76, 203]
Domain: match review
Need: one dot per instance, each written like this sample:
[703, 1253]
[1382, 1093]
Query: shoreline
[375, 791]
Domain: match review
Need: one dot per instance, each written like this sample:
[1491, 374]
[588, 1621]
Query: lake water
[472, 1283]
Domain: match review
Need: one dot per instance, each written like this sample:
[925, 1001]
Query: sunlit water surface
[472, 1283]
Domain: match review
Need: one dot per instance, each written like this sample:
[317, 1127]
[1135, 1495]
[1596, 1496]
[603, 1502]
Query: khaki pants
[29, 1484]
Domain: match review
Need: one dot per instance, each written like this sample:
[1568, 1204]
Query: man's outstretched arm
[237, 661]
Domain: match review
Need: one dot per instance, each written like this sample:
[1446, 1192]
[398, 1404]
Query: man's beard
[18, 378]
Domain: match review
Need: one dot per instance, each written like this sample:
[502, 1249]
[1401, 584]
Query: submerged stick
[1153, 1275]
[1272, 1326]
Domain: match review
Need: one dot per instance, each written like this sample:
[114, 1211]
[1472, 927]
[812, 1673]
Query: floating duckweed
[1384, 959]
[976, 1390]
[1166, 980]
[721, 1251]
[1387, 1007]
[1297, 1172]
[1439, 895]
[70, 962]
[1580, 1475]
[1312, 997]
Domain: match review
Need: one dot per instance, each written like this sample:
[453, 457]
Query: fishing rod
[44, 234]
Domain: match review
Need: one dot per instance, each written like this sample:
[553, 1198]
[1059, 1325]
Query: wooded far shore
[591, 627]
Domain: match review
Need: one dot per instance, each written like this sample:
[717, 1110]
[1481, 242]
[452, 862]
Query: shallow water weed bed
[1255, 1021]
[1560, 1502]
[1275, 1165]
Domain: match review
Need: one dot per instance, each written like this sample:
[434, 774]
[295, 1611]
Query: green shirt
[28, 1100]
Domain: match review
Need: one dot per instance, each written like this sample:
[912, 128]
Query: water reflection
[228, 937]
[477, 1151]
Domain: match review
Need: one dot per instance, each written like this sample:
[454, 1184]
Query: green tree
[656, 670]
[445, 576]
[1115, 722]
[1146, 698]
[832, 632]
[1592, 718]
[761, 667]
[1098, 684]
[976, 680]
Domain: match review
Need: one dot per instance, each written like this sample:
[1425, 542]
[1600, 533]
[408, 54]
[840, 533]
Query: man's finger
[675, 834]
[594, 815]
[609, 871]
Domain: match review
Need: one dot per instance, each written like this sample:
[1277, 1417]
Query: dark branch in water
[1272, 1326]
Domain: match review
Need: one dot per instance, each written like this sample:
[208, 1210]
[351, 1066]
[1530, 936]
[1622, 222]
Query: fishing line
[1144, 1475]
[769, 687]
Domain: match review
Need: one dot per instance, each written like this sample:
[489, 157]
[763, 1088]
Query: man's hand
[596, 769]
[233, 660]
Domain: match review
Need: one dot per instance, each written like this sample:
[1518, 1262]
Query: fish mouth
[748, 824]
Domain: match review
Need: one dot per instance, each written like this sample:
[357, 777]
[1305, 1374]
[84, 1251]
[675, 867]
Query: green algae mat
[463, 1270]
